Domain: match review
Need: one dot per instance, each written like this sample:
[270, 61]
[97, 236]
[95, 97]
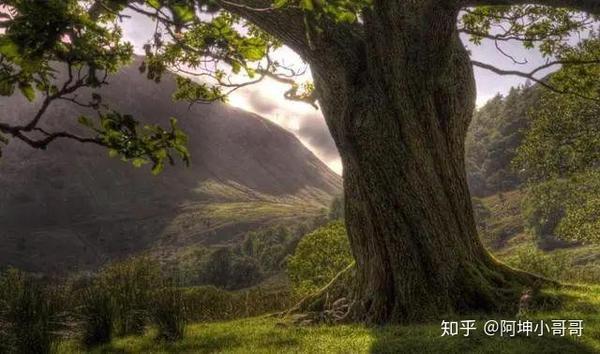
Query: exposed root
[490, 287]
[331, 304]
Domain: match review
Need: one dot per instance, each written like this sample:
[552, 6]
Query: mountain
[72, 207]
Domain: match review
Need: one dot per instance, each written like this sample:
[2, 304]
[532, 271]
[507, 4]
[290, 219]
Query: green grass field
[272, 335]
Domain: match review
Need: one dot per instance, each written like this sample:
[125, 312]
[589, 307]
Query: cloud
[308, 124]
[314, 131]
[261, 104]
[301, 119]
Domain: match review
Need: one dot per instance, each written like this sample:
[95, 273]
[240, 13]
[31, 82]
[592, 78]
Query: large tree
[395, 83]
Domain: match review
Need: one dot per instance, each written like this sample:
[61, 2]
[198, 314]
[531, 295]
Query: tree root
[331, 304]
[493, 287]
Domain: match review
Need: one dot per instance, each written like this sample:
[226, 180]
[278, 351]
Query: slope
[73, 207]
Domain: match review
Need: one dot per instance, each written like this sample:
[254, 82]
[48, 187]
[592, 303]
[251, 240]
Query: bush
[227, 269]
[582, 222]
[534, 261]
[319, 257]
[567, 209]
[169, 313]
[31, 314]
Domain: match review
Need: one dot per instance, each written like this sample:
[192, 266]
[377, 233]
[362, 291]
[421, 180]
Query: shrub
[208, 303]
[31, 314]
[568, 209]
[319, 257]
[544, 207]
[244, 272]
[534, 261]
[227, 269]
[169, 313]
[582, 222]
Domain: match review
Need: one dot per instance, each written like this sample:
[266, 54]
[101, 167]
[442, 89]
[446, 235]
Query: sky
[307, 123]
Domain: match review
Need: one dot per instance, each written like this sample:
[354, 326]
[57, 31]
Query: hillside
[73, 207]
[495, 133]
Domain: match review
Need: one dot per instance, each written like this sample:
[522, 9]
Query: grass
[260, 210]
[270, 335]
[504, 232]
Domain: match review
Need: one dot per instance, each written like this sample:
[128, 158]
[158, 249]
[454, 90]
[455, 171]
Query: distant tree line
[547, 144]
[496, 132]
[260, 254]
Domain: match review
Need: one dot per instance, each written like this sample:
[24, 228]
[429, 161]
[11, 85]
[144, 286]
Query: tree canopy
[219, 46]
[560, 159]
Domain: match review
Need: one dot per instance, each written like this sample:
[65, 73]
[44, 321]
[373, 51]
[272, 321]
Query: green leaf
[138, 162]
[307, 5]
[236, 67]
[8, 48]
[280, 3]
[254, 53]
[7, 88]
[27, 91]
[183, 13]
[157, 168]
[85, 121]
[347, 17]
[154, 3]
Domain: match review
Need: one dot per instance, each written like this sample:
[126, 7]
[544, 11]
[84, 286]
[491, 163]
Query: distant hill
[73, 207]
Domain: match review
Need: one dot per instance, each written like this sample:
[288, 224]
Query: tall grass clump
[130, 285]
[168, 313]
[97, 313]
[126, 297]
[31, 314]
[208, 303]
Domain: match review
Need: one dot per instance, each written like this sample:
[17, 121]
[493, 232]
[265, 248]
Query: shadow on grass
[270, 335]
[199, 344]
[210, 338]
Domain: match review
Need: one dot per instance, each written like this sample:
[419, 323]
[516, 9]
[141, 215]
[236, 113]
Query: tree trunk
[399, 118]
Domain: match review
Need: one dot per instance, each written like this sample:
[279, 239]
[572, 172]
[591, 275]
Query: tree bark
[399, 120]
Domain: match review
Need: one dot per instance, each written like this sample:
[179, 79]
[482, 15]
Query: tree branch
[589, 6]
[42, 144]
[73, 83]
[286, 24]
[334, 42]
[531, 75]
